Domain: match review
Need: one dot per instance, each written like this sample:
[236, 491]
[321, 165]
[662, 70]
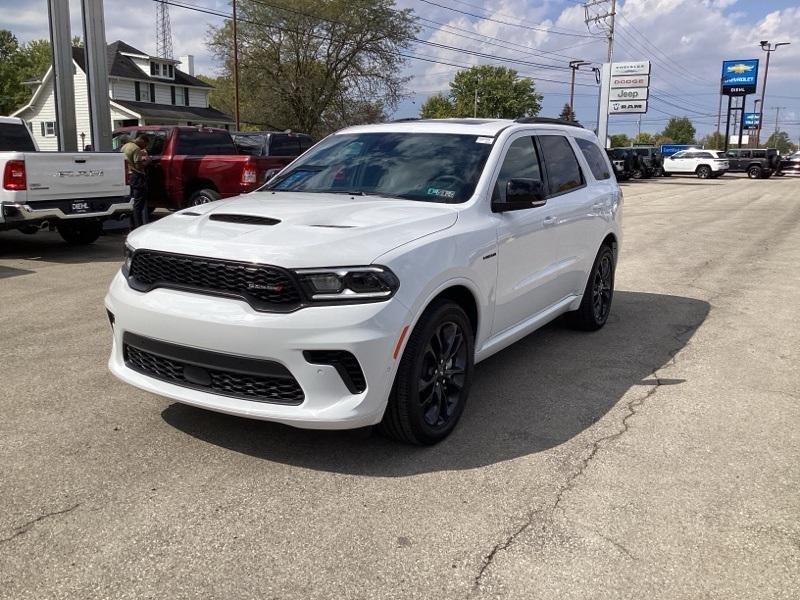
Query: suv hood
[313, 230]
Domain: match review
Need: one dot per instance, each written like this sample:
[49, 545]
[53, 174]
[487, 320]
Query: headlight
[126, 266]
[348, 284]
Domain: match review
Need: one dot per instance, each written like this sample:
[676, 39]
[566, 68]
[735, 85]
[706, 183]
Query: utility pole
[605, 22]
[235, 70]
[778, 110]
[475, 104]
[94, 37]
[574, 65]
[769, 49]
[63, 81]
[719, 110]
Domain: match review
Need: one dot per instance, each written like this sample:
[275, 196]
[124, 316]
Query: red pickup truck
[195, 165]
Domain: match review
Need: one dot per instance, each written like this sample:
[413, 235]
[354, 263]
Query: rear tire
[203, 196]
[703, 172]
[595, 306]
[754, 172]
[80, 233]
[434, 377]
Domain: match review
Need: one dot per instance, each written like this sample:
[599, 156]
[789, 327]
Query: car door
[575, 209]
[676, 163]
[525, 245]
[733, 160]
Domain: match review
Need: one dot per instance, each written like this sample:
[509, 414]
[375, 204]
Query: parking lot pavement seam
[26, 527]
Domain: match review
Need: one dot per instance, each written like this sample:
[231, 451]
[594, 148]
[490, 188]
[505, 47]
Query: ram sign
[739, 77]
[629, 94]
[616, 107]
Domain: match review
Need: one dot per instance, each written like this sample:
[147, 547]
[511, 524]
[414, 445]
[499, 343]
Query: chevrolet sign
[739, 77]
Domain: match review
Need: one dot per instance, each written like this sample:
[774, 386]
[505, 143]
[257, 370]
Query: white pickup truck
[69, 192]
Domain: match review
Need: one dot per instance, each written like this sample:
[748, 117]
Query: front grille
[244, 219]
[226, 375]
[345, 364]
[264, 287]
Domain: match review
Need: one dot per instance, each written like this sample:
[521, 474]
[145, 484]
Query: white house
[143, 90]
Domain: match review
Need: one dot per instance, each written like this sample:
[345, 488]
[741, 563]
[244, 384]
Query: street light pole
[769, 49]
[235, 70]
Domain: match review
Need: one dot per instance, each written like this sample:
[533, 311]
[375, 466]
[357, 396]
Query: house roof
[120, 65]
[175, 113]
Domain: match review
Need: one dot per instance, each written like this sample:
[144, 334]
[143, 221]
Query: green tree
[619, 140]
[313, 65]
[567, 114]
[499, 91]
[19, 63]
[713, 141]
[781, 141]
[437, 106]
[644, 138]
[680, 130]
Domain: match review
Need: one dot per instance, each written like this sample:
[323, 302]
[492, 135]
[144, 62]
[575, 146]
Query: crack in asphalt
[25, 527]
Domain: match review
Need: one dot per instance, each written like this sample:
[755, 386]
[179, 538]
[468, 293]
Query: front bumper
[229, 326]
[51, 210]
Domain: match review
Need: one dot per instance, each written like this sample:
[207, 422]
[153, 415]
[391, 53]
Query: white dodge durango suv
[362, 283]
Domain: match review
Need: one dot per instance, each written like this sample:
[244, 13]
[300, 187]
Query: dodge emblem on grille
[277, 287]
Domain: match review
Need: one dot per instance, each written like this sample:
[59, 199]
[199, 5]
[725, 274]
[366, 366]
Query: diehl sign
[639, 67]
[629, 94]
[630, 81]
[739, 77]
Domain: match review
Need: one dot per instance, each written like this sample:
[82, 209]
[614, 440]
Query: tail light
[127, 173]
[14, 175]
[249, 175]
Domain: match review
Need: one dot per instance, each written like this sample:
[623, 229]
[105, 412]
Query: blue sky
[685, 39]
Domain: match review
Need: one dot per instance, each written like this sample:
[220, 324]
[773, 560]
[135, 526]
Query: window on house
[48, 128]
[137, 90]
[171, 72]
[152, 92]
[153, 68]
[172, 94]
[186, 96]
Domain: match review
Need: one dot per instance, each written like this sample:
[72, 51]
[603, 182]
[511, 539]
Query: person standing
[136, 156]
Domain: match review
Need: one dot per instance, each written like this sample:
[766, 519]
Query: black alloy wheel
[595, 306]
[434, 377]
[754, 172]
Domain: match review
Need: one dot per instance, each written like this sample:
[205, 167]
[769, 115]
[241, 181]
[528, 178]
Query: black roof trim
[548, 121]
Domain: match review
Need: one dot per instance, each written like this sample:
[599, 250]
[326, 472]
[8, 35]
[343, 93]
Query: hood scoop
[243, 219]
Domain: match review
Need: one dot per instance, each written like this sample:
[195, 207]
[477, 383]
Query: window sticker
[484, 140]
[449, 194]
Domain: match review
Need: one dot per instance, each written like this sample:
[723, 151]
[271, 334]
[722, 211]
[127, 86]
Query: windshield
[251, 144]
[432, 167]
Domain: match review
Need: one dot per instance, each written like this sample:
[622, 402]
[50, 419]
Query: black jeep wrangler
[758, 163]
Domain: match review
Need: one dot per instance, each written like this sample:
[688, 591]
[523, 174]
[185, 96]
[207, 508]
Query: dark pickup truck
[272, 143]
[195, 165]
[758, 163]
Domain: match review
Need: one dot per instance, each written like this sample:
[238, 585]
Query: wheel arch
[463, 297]
[196, 185]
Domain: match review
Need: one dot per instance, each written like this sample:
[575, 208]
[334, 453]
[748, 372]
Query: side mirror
[520, 195]
[270, 173]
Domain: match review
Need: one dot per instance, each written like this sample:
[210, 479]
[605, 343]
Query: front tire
[704, 172]
[595, 306]
[434, 377]
[80, 233]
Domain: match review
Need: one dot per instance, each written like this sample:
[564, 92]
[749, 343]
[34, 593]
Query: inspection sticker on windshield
[484, 140]
[432, 191]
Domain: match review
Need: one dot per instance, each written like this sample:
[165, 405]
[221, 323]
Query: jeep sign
[630, 81]
[627, 106]
[629, 94]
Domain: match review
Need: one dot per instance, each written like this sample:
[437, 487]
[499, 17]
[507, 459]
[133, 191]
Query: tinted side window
[305, 143]
[745, 154]
[597, 162]
[759, 154]
[155, 142]
[205, 142]
[563, 170]
[250, 144]
[521, 162]
[283, 145]
[704, 155]
[15, 137]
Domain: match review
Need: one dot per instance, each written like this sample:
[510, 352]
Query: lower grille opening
[223, 374]
[345, 364]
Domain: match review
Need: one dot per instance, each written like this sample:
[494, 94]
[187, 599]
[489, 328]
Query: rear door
[526, 248]
[78, 176]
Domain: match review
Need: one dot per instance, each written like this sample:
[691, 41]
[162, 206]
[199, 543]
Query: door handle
[549, 221]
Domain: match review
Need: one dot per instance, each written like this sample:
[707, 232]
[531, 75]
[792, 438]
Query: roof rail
[548, 121]
[405, 119]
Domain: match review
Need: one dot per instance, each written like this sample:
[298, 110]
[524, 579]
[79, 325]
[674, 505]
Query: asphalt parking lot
[657, 458]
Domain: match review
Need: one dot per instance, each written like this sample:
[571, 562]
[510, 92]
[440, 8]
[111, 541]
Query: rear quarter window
[594, 157]
[563, 171]
[205, 142]
[14, 137]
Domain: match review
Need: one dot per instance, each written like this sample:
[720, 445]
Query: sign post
[625, 89]
[739, 78]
